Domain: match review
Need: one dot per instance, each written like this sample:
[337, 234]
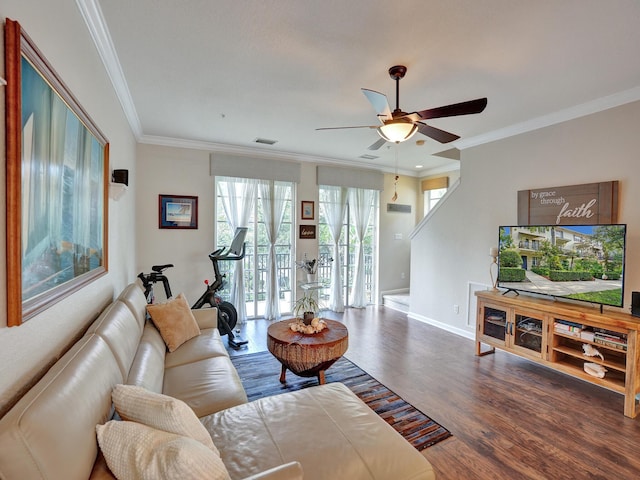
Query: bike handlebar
[218, 255]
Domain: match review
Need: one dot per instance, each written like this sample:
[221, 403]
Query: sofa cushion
[159, 411]
[174, 320]
[50, 432]
[206, 317]
[206, 345]
[119, 328]
[136, 451]
[207, 386]
[147, 369]
[328, 429]
[133, 297]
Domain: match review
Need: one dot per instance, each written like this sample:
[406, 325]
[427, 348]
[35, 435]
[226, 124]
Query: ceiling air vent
[265, 141]
[366, 156]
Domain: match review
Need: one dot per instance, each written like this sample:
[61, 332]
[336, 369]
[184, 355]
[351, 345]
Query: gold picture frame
[307, 210]
[57, 184]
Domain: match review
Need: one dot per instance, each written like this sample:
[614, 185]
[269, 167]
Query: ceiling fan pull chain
[395, 181]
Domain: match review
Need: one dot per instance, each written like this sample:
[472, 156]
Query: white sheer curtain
[273, 196]
[238, 196]
[334, 205]
[360, 204]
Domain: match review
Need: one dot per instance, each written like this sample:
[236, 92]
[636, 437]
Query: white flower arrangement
[310, 266]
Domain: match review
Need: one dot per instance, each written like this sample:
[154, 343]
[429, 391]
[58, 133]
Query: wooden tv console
[553, 333]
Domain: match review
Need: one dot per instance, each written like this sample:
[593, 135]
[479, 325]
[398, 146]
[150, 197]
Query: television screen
[578, 262]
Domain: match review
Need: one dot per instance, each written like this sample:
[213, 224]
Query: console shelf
[555, 333]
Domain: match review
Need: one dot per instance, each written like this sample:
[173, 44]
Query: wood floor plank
[510, 418]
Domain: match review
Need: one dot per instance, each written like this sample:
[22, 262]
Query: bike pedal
[237, 343]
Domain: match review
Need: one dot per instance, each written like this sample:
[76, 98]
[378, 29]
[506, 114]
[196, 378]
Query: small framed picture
[176, 211]
[307, 210]
[307, 232]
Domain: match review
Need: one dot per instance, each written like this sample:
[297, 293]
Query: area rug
[260, 375]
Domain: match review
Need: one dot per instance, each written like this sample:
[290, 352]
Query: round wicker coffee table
[307, 355]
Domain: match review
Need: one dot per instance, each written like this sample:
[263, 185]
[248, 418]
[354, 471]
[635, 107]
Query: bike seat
[161, 268]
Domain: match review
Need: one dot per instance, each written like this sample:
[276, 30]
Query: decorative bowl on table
[316, 325]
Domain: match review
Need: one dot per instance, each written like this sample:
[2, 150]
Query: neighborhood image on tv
[578, 262]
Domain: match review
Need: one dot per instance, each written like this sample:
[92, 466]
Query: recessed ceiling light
[366, 156]
[265, 141]
[418, 166]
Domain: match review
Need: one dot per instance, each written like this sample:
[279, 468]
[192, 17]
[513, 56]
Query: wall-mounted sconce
[120, 176]
[3, 82]
[119, 183]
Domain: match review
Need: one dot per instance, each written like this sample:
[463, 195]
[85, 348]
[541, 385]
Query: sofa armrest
[286, 471]
[206, 317]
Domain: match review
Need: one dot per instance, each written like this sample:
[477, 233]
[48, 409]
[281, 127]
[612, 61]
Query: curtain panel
[273, 197]
[238, 196]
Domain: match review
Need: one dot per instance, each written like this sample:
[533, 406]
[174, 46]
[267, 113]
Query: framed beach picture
[57, 164]
[177, 211]
[307, 209]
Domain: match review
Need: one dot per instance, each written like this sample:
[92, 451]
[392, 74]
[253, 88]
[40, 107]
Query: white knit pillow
[136, 452]
[163, 412]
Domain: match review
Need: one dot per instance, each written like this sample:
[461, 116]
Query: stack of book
[610, 339]
[566, 327]
[587, 334]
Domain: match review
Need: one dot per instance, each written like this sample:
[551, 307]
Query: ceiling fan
[398, 126]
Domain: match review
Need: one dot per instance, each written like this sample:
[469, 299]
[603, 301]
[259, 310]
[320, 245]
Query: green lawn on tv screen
[607, 297]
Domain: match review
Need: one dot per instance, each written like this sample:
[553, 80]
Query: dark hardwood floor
[510, 418]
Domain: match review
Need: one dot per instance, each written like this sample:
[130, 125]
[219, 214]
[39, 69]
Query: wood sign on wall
[591, 203]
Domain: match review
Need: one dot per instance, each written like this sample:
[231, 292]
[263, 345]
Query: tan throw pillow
[135, 451]
[175, 321]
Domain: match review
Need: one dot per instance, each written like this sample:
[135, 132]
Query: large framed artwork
[177, 211]
[57, 184]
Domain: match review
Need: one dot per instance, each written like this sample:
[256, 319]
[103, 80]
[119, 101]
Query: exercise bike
[227, 313]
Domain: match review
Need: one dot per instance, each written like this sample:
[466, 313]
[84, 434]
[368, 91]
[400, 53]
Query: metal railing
[285, 274]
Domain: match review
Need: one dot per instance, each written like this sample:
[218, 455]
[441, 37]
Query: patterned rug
[260, 374]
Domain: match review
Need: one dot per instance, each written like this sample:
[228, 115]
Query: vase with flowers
[309, 266]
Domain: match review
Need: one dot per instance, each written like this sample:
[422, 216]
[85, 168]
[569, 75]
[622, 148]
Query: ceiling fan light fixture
[397, 132]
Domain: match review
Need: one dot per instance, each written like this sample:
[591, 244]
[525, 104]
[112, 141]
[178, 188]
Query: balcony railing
[285, 275]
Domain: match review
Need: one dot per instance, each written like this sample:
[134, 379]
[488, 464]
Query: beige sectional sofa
[322, 432]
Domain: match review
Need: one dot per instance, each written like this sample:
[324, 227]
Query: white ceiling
[217, 74]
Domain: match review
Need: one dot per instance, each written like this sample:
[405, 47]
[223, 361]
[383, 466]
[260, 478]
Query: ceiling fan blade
[435, 133]
[340, 128]
[463, 108]
[375, 146]
[379, 102]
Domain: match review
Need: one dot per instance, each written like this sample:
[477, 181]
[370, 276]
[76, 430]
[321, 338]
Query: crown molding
[93, 17]
[245, 151]
[582, 110]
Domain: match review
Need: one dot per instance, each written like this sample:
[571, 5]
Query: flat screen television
[577, 262]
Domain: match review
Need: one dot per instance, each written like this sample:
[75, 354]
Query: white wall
[395, 254]
[57, 28]
[452, 249]
[175, 171]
